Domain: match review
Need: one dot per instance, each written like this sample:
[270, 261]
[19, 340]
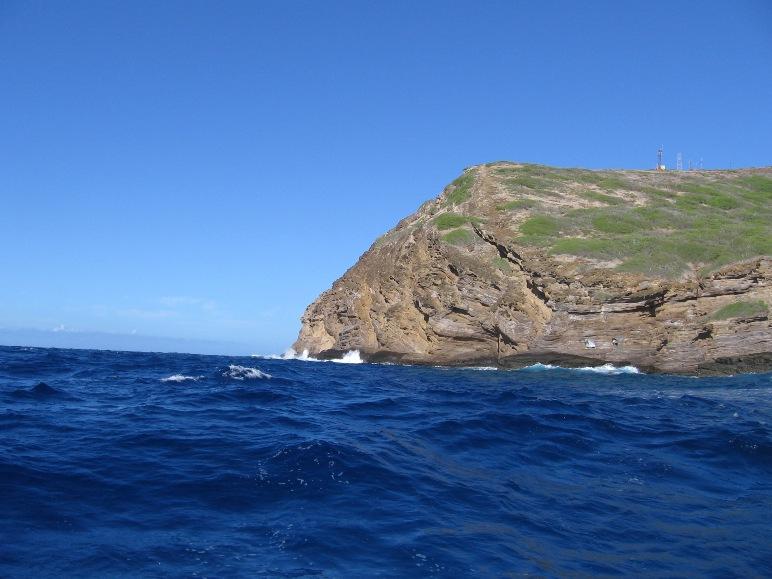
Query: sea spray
[350, 357]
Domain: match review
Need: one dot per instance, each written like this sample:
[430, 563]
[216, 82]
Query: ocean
[118, 464]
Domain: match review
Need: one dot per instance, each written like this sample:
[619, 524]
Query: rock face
[515, 264]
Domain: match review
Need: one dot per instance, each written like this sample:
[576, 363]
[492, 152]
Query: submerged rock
[38, 391]
[517, 264]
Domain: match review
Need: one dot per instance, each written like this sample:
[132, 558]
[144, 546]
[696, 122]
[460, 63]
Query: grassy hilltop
[663, 224]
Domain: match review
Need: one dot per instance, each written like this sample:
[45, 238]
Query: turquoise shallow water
[128, 464]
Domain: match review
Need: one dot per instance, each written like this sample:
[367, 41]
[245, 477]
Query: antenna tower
[679, 162]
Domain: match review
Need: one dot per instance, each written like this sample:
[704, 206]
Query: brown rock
[490, 295]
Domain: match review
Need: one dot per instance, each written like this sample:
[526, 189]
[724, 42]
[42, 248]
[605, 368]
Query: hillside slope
[514, 264]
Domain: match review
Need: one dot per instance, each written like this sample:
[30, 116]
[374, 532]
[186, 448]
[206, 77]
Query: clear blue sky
[202, 170]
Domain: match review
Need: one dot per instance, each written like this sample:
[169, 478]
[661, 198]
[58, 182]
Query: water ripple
[116, 464]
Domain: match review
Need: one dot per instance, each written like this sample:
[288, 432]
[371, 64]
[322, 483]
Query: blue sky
[193, 173]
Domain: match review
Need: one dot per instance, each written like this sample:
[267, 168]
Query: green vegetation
[586, 247]
[705, 195]
[540, 225]
[612, 184]
[449, 221]
[741, 309]
[461, 189]
[599, 179]
[659, 193]
[601, 197]
[758, 188]
[459, 237]
[616, 223]
[536, 178]
[528, 181]
[518, 204]
[679, 221]
[699, 225]
[502, 263]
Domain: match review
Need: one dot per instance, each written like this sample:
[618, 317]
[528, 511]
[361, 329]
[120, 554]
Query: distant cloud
[62, 328]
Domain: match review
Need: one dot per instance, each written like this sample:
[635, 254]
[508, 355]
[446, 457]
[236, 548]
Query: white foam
[350, 357]
[604, 369]
[181, 378]
[289, 354]
[540, 366]
[245, 373]
[610, 369]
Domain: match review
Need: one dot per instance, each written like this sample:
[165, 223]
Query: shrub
[601, 197]
[449, 221]
[517, 204]
[540, 225]
[615, 224]
[459, 237]
[760, 188]
[689, 221]
[659, 193]
[585, 247]
[527, 181]
[461, 189]
[706, 195]
[740, 309]
[502, 263]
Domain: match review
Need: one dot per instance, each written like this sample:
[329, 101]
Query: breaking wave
[350, 357]
[235, 372]
[610, 369]
[181, 378]
[604, 369]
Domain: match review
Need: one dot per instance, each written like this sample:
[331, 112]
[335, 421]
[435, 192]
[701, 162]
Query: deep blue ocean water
[129, 464]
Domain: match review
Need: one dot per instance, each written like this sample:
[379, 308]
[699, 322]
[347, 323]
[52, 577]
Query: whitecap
[244, 373]
[350, 357]
[289, 354]
[610, 369]
[181, 378]
[604, 369]
[540, 366]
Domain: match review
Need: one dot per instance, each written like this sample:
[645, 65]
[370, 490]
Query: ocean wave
[181, 378]
[236, 372]
[609, 369]
[540, 366]
[468, 457]
[350, 357]
[40, 390]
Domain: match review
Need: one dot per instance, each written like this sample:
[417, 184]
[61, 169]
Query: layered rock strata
[494, 293]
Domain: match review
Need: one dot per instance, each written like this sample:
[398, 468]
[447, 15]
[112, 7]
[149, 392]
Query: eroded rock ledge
[417, 296]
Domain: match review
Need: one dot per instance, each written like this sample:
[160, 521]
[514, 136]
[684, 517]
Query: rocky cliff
[515, 264]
